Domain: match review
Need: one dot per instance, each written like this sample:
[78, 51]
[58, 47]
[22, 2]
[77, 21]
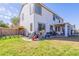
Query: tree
[2, 24]
[15, 20]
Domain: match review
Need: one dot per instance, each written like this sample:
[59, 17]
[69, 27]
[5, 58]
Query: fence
[8, 32]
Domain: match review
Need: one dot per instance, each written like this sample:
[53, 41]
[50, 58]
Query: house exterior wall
[46, 18]
[73, 29]
[69, 29]
[26, 18]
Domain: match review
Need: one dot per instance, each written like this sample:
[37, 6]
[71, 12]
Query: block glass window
[31, 27]
[38, 9]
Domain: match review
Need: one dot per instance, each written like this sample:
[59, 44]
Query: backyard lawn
[16, 46]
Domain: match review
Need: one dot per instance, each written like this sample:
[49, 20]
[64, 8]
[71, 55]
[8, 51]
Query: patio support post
[53, 27]
[61, 29]
[66, 30]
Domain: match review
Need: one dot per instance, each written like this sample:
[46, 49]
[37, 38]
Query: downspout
[34, 16]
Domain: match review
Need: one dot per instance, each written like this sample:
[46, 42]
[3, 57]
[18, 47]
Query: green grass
[15, 46]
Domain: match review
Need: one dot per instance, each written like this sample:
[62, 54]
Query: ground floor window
[41, 27]
[31, 27]
[51, 28]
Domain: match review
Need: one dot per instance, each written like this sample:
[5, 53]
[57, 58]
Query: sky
[68, 11]
[8, 11]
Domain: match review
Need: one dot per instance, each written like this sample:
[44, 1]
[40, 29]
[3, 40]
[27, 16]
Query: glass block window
[31, 27]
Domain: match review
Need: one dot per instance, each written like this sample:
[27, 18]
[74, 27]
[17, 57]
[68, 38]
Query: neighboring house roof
[42, 6]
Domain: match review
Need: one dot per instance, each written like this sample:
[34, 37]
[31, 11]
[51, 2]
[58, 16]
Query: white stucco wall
[46, 18]
[28, 17]
[68, 28]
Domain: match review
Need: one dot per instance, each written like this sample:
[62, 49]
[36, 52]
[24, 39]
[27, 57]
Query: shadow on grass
[9, 37]
[71, 38]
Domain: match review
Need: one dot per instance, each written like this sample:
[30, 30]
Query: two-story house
[37, 17]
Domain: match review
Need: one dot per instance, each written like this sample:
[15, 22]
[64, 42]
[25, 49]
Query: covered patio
[61, 29]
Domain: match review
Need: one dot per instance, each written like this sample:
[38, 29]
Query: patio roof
[59, 24]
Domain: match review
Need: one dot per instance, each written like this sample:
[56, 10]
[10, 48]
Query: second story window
[54, 18]
[41, 27]
[59, 21]
[38, 9]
